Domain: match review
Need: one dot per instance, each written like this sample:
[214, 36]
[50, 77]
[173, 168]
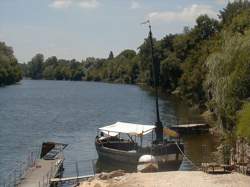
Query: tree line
[53, 68]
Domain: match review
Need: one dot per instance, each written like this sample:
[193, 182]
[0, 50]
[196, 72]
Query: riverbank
[174, 178]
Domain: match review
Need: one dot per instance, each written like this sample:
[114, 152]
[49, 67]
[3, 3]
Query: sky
[77, 29]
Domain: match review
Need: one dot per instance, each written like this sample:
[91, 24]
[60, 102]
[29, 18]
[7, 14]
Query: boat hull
[169, 158]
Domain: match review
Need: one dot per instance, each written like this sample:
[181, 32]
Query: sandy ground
[173, 179]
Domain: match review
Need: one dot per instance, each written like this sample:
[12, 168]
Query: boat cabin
[112, 135]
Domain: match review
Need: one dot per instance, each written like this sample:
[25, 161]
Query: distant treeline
[10, 71]
[53, 69]
[208, 65]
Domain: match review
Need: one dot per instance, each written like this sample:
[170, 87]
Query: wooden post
[47, 180]
[93, 167]
[141, 140]
[15, 177]
[43, 181]
[77, 174]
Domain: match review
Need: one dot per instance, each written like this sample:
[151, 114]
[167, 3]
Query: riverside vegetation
[208, 65]
[10, 72]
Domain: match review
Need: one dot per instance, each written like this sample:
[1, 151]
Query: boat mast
[156, 75]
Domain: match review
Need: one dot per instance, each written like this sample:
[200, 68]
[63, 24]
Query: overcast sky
[83, 28]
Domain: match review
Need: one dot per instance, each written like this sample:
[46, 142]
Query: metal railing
[15, 176]
[77, 170]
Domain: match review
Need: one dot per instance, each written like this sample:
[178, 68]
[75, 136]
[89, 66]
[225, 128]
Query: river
[35, 111]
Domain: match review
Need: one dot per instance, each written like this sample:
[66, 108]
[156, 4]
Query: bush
[243, 121]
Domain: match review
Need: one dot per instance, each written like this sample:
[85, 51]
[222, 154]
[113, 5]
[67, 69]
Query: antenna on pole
[156, 74]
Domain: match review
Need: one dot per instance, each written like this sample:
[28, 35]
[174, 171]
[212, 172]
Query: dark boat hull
[169, 158]
[117, 155]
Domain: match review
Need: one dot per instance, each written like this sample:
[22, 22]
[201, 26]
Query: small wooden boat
[111, 146]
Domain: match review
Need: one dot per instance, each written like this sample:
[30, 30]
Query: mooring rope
[186, 157]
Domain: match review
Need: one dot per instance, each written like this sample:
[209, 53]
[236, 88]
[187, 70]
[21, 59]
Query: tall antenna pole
[156, 74]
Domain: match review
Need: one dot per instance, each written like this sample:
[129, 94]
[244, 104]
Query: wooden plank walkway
[40, 174]
[191, 128]
[80, 178]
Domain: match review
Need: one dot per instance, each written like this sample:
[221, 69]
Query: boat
[111, 145]
[122, 142]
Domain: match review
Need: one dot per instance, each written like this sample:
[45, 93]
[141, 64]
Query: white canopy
[127, 128]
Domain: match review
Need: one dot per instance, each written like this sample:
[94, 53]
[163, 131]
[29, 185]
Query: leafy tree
[228, 78]
[36, 66]
[170, 72]
[205, 28]
[10, 71]
[240, 23]
[243, 122]
[111, 55]
[145, 63]
[232, 10]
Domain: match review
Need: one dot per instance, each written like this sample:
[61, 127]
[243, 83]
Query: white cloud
[135, 5]
[187, 14]
[88, 3]
[60, 4]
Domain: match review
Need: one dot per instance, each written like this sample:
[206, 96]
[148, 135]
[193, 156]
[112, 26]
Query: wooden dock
[191, 128]
[40, 174]
[69, 180]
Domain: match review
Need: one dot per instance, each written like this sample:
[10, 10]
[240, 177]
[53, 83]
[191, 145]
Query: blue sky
[84, 28]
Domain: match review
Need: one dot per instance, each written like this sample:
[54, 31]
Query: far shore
[173, 179]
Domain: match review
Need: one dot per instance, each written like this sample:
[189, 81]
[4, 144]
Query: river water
[33, 112]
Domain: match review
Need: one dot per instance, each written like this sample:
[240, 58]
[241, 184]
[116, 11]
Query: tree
[36, 66]
[128, 53]
[145, 62]
[243, 122]
[111, 55]
[228, 78]
[232, 10]
[10, 71]
[205, 28]
[240, 23]
[170, 72]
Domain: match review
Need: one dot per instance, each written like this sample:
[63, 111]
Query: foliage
[10, 72]
[123, 69]
[232, 10]
[170, 72]
[228, 78]
[111, 55]
[243, 122]
[35, 66]
[54, 69]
